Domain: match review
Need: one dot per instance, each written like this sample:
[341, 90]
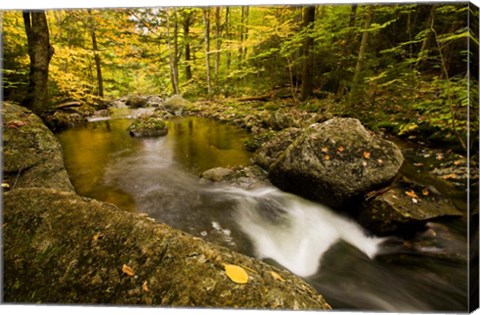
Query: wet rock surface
[148, 126]
[405, 206]
[335, 162]
[32, 156]
[62, 248]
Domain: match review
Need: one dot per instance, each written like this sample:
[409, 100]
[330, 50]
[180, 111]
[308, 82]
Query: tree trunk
[353, 15]
[186, 38]
[361, 52]
[424, 49]
[96, 54]
[218, 42]
[172, 55]
[307, 62]
[245, 35]
[40, 52]
[206, 24]
[227, 31]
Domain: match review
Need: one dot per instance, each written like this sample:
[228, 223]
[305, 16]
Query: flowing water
[350, 268]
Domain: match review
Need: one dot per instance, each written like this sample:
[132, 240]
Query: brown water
[159, 176]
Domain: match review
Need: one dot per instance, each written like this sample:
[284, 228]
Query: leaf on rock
[128, 270]
[276, 276]
[236, 273]
[411, 194]
[449, 176]
[14, 124]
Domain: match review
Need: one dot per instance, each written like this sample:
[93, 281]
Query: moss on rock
[150, 126]
[62, 248]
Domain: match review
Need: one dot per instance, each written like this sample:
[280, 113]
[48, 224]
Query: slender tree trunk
[424, 49]
[96, 54]
[227, 34]
[206, 24]
[172, 51]
[40, 52]
[361, 51]
[245, 35]
[218, 42]
[240, 35]
[353, 15]
[175, 51]
[186, 37]
[307, 62]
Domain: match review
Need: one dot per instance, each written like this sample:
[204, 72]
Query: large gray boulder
[62, 248]
[175, 105]
[336, 162]
[32, 156]
[267, 154]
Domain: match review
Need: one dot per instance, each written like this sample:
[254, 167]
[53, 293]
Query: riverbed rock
[271, 150]
[32, 156]
[136, 101]
[336, 162]
[149, 126]
[62, 248]
[175, 105]
[404, 208]
[216, 174]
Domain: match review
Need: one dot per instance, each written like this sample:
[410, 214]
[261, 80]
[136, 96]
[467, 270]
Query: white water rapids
[294, 231]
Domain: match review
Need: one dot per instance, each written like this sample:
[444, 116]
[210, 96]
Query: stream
[350, 268]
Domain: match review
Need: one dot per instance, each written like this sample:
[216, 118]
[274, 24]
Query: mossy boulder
[336, 162]
[32, 156]
[62, 248]
[150, 126]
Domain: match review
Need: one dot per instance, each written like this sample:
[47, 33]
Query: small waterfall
[293, 231]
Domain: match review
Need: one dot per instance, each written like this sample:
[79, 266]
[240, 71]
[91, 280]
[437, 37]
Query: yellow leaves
[276, 276]
[128, 270]
[14, 124]
[145, 286]
[411, 194]
[236, 273]
[449, 176]
[5, 186]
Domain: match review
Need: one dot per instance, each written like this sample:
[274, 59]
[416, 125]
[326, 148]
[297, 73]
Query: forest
[403, 67]
[272, 156]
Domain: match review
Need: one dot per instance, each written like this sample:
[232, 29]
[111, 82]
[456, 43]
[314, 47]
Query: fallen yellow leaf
[449, 176]
[236, 273]
[340, 149]
[128, 270]
[276, 276]
[425, 192]
[366, 155]
[325, 149]
[327, 157]
[411, 194]
[145, 286]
